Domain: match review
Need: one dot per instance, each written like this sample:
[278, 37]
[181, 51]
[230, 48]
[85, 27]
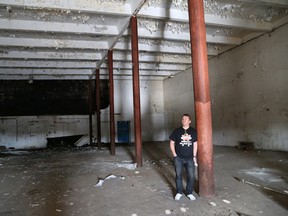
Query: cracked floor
[66, 182]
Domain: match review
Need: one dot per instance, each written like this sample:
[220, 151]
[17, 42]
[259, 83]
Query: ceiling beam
[77, 55]
[61, 55]
[136, 6]
[61, 72]
[161, 58]
[100, 7]
[46, 64]
[96, 56]
[57, 27]
[40, 74]
[223, 40]
[166, 48]
[17, 25]
[13, 71]
[183, 36]
[273, 3]
[144, 45]
[148, 66]
[281, 22]
[53, 43]
[80, 77]
[162, 48]
[85, 65]
[213, 20]
[44, 77]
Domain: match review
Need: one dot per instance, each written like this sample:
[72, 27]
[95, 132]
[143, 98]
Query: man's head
[186, 120]
[187, 115]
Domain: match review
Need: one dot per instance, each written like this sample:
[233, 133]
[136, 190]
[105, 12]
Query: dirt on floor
[88, 181]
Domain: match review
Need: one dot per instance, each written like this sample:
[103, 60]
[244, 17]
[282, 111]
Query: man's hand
[195, 161]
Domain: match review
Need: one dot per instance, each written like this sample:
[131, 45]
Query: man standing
[183, 145]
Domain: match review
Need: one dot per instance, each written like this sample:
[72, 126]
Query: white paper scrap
[212, 203]
[226, 201]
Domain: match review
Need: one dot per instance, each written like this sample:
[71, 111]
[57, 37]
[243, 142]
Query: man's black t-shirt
[184, 140]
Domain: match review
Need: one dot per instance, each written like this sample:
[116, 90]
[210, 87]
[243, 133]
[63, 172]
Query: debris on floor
[127, 166]
[264, 174]
[241, 214]
[101, 181]
[260, 186]
[2, 148]
[226, 201]
[167, 211]
[245, 145]
[14, 152]
[84, 140]
[183, 209]
[212, 203]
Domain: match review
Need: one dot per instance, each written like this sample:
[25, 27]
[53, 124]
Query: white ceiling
[69, 39]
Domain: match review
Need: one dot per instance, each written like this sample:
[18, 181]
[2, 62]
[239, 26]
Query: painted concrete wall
[249, 93]
[152, 109]
[178, 99]
[33, 131]
[249, 87]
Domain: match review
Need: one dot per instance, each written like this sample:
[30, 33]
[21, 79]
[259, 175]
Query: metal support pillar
[90, 111]
[202, 98]
[136, 91]
[111, 97]
[98, 106]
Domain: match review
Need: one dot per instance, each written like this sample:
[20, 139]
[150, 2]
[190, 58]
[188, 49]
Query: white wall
[249, 93]
[32, 131]
[178, 99]
[152, 109]
[249, 87]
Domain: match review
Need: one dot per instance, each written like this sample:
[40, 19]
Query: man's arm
[172, 148]
[195, 148]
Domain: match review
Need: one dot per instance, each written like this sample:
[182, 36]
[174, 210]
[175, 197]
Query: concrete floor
[88, 181]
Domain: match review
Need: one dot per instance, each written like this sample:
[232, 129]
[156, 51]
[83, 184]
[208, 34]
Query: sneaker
[191, 197]
[178, 196]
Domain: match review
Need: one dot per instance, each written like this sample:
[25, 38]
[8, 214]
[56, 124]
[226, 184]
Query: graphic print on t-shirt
[185, 139]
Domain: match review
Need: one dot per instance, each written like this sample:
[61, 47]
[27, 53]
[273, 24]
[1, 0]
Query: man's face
[185, 121]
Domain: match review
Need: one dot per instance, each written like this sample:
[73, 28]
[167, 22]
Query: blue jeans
[188, 164]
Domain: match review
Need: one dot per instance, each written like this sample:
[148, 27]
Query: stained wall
[249, 87]
[25, 132]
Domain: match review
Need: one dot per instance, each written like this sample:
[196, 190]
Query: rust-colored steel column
[202, 98]
[111, 97]
[90, 111]
[136, 91]
[98, 106]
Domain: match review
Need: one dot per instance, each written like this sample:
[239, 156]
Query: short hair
[187, 115]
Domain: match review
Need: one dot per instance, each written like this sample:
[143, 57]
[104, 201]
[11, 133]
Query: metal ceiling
[69, 39]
